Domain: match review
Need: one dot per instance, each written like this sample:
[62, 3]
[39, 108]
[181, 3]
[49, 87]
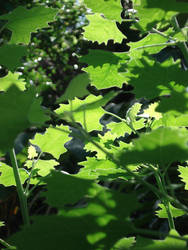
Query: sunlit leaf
[53, 140]
[111, 8]
[42, 167]
[154, 13]
[11, 79]
[32, 153]
[104, 68]
[102, 30]
[163, 214]
[152, 44]
[2, 223]
[184, 175]
[132, 113]
[94, 169]
[124, 243]
[151, 111]
[7, 175]
[87, 112]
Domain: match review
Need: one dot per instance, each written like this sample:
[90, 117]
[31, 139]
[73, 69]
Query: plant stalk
[151, 187]
[165, 201]
[22, 196]
[5, 244]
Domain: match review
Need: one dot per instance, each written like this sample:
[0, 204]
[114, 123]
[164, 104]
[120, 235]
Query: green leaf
[11, 79]
[119, 128]
[106, 141]
[178, 95]
[87, 112]
[7, 175]
[132, 113]
[167, 244]
[151, 111]
[52, 230]
[124, 243]
[53, 140]
[32, 153]
[42, 167]
[104, 68]
[107, 215]
[22, 22]
[97, 225]
[184, 175]
[11, 54]
[155, 13]
[100, 169]
[170, 120]
[102, 30]
[76, 88]
[152, 44]
[176, 212]
[151, 79]
[111, 8]
[22, 109]
[131, 123]
[161, 146]
[65, 189]
[2, 223]
[177, 35]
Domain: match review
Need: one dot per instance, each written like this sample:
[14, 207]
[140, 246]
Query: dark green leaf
[11, 54]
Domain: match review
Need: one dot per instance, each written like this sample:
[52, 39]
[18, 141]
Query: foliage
[51, 60]
[138, 149]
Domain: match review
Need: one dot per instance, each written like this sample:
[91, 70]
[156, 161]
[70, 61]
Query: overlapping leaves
[53, 140]
[22, 22]
[154, 13]
[24, 109]
[87, 112]
[111, 8]
[102, 30]
[11, 79]
[104, 68]
[161, 146]
[99, 224]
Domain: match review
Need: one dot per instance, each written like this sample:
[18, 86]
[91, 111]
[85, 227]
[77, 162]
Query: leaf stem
[165, 201]
[138, 178]
[5, 244]
[161, 33]
[182, 45]
[151, 187]
[20, 190]
[2, 28]
[156, 45]
[26, 192]
[123, 120]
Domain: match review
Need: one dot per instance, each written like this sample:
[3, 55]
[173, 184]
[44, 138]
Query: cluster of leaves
[88, 215]
[51, 61]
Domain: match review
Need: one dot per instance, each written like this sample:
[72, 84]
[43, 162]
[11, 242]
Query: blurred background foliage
[52, 61]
